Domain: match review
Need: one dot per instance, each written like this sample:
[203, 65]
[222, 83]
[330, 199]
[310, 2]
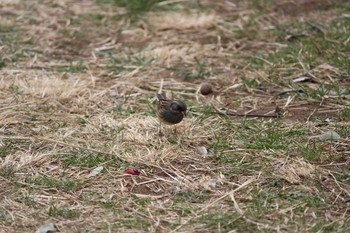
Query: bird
[170, 112]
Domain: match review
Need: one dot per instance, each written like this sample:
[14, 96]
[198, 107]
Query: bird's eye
[177, 107]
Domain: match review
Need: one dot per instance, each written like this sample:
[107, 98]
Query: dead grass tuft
[45, 85]
[170, 54]
[294, 172]
[182, 21]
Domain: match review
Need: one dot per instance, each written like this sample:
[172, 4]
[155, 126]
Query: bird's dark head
[178, 106]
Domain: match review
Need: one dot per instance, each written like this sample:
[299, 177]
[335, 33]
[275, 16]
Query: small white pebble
[202, 151]
[212, 183]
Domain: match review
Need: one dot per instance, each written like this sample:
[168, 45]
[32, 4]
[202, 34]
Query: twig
[316, 46]
[278, 113]
[161, 86]
[246, 115]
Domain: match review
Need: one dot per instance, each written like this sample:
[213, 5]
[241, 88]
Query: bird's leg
[160, 130]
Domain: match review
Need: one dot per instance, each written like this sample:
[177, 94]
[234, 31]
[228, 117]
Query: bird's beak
[185, 113]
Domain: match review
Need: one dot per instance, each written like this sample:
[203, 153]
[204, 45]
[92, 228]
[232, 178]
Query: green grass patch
[140, 201]
[8, 171]
[225, 221]
[85, 159]
[7, 34]
[271, 136]
[73, 68]
[4, 151]
[256, 135]
[111, 132]
[261, 4]
[9, 146]
[134, 9]
[219, 144]
[133, 222]
[14, 46]
[73, 34]
[263, 202]
[248, 34]
[343, 176]
[60, 184]
[325, 226]
[184, 211]
[122, 108]
[187, 197]
[121, 62]
[335, 89]
[28, 201]
[345, 114]
[250, 83]
[109, 204]
[311, 151]
[344, 132]
[311, 200]
[2, 62]
[199, 71]
[64, 212]
[309, 45]
[5, 218]
[94, 18]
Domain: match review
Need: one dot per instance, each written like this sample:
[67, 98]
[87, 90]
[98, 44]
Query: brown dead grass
[44, 114]
[181, 21]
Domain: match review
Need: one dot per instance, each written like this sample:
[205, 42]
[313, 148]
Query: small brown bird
[170, 112]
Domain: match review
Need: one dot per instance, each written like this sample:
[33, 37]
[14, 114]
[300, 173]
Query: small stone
[202, 151]
[212, 183]
[49, 227]
[330, 135]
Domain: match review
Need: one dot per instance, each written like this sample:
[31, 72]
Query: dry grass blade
[230, 193]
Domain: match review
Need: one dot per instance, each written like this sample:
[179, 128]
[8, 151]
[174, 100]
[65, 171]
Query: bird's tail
[161, 97]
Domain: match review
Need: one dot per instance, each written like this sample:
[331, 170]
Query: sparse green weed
[86, 159]
[73, 68]
[64, 212]
[60, 184]
[8, 171]
[312, 151]
[117, 64]
[200, 71]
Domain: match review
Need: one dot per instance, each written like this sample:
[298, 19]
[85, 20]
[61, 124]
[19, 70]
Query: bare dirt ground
[77, 108]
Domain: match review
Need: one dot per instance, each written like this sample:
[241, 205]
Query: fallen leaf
[96, 171]
[49, 227]
[327, 67]
[132, 172]
[330, 135]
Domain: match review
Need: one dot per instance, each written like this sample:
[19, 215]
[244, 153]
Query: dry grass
[77, 87]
